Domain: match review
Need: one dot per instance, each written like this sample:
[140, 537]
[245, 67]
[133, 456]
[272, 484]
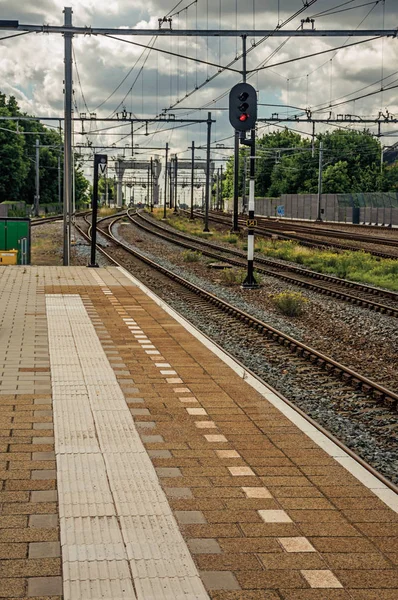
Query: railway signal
[243, 107]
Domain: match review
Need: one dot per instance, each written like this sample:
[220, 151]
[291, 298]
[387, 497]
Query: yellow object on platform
[8, 257]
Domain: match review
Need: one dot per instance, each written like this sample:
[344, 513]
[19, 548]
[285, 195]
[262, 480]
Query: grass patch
[355, 266]
[232, 276]
[290, 304]
[191, 256]
[106, 211]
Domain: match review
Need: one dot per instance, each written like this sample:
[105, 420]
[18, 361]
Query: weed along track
[308, 236]
[360, 412]
[359, 294]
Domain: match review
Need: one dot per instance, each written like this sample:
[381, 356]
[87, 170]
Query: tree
[336, 179]
[18, 159]
[271, 147]
[13, 164]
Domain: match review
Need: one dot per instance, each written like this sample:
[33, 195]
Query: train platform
[138, 461]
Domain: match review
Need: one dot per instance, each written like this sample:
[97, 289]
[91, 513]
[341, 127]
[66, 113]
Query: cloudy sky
[110, 74]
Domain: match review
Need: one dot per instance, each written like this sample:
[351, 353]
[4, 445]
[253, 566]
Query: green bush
[230, 239]
[232, 276]
[191, 256]
[290, 304]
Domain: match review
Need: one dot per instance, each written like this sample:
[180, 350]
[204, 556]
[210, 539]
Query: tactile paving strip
[119, 537]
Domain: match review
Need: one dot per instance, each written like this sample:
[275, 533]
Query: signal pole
[100, 163]
[250, 281]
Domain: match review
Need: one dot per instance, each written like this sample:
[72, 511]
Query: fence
[380, 208]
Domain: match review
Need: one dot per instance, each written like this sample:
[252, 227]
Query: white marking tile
[160, 365]
[241, 472]
[205, 425]
[321, 579]
[145, 346]
[196, 411]
[296, 544]
[169, 372]
[174, 380]
[189, 400]
[274, 516]
[216, 438]
[182, 390]
[152, 351]
[227, 454]
[256, 492]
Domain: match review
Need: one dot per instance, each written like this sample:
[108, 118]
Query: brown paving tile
[368, 578]
[246, 595]
[374, 594]
[30, 567]
[228, 562]
[313, 594]
[12, 588]
[253, 545]
[272, 579]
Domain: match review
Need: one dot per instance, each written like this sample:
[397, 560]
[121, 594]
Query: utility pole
[165, 183]
[207, 200]
[235, 226]
[147, 187]
[59, 179]
[37, 194]
[319, 216]
[192, 177]
[218, 190]
[151, 196]
[221, 191]
[175, 183]
[250, 281]
[67, 136]
[171, 183]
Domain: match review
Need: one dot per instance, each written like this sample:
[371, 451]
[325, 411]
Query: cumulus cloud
[115, 74]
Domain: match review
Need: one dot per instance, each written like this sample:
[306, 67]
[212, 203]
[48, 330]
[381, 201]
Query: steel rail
[263, 231]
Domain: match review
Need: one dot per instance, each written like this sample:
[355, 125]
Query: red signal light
[244, 117]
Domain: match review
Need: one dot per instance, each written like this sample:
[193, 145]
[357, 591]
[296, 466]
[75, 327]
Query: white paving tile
[115, 517]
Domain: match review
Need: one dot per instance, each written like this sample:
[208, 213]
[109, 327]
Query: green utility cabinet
[15, 235]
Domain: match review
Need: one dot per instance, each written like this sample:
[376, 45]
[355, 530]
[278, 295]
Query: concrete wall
[333, 208]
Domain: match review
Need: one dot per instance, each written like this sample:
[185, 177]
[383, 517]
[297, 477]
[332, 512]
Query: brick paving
[265, 512]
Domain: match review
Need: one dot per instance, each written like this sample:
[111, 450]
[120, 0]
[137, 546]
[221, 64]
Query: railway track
[363, 295]
[328, 232]
[44, 220]
[258, 328]
[53, 218]
[325, 380]
[283, 235]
